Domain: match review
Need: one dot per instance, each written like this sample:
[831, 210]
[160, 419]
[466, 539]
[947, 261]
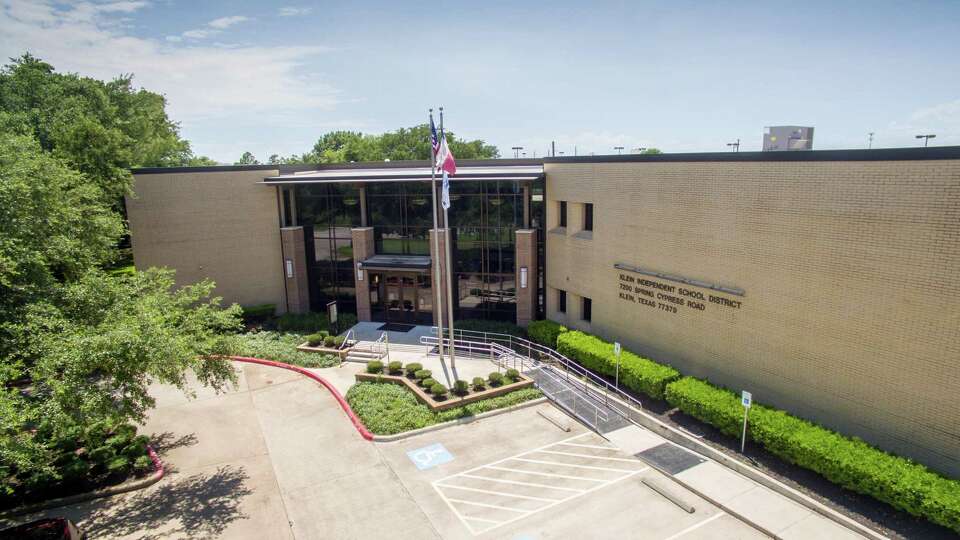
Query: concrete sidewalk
[736, 494]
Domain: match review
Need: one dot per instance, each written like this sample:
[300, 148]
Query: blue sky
[682, 76]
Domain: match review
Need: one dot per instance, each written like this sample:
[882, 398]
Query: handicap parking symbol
[429, 457]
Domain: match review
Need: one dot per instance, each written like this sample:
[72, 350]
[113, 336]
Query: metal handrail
[570, 366]
[346, 340]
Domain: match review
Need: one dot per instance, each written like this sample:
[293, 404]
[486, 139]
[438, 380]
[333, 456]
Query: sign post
[746, 398]
[332, 315]
[616, 352]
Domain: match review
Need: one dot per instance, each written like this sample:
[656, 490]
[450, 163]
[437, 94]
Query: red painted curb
[364, 432]
[158, 470]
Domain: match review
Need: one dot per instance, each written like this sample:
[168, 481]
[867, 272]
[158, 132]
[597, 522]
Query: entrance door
[400, 297]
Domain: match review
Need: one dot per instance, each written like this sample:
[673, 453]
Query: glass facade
[484, 216]
[331, 210]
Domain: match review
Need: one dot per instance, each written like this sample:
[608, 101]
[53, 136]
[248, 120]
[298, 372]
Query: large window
[330, 210]
[588, 217]
[401, 216]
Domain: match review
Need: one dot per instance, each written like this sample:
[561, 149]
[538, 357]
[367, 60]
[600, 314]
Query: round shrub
[460, 388]
[479, 383]
[315, 340]
[118, 465]
[143, 464]
[395, 367]
[100, 456]
[422, 374]
[438, 390]
[329, 341]
[495, 379]
[512, 375]
[427, 383]
[337, 341]
[374, 366]
[413, 368]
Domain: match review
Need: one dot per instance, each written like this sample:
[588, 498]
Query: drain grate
[669, 458]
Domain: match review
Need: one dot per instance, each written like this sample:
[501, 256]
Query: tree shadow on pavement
[196, 506]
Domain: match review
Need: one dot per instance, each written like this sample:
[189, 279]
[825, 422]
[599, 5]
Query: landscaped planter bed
[341, 353]
[450, 401]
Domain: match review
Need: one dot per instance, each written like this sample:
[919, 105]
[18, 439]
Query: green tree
[101, 129]
[247, 159]
[651, 150]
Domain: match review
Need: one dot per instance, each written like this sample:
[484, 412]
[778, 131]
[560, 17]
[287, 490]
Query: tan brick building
[825, 282]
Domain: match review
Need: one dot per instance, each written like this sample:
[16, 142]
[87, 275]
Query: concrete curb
[690, 443]
[458, 421]
[158, 472]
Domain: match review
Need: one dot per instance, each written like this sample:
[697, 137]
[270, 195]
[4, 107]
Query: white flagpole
[436, 248]
[449, 259]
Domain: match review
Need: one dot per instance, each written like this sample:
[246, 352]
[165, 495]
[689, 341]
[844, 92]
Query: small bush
[479, 384]
[545, 332]
[329, 341]
[282, 348]
[118, 465]
[101, 455]
[143, 464]
[315, 340]
[395, 367]
[438, 390]
[422, 374]
[413, 368]
[427, 383]
[512, 375]
[495, 379]
[460, 388]
[636, 373]
[374, 366]
[259, 313]
[337, 341]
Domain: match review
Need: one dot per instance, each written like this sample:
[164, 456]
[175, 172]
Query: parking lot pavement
[519, 476]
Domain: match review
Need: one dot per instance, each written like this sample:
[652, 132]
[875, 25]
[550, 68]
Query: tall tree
[247, 159]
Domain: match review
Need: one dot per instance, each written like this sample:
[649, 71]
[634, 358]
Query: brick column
[526, 257]
[296, 282]
[363, 248]
[443, 275]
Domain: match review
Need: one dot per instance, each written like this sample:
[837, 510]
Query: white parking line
[542, 462]
[696, 526]
[588, 456]
[517, 482]
[444, 486]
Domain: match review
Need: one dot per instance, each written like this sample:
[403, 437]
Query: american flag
[434, 140]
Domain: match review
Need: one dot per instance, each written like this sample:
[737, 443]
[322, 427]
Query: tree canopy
[400, 145]
[79, 346]
[99, 128]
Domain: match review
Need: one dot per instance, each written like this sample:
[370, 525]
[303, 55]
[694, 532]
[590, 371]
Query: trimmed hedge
[545, 332]
[848, 462]
[636, 373]
[374, 366]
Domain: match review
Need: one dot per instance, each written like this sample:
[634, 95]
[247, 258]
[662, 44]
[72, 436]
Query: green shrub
[395, 367]
[545, 332]
[118, 465]
[329, 341]
[848, 462]
[422, 374]
[101, 455]
[143, 464]
[495, 379]
[315, 340]
[427, 383]
[512, 375]
[412, 368]
[636, 373]
[75, 469]
[374, 366]
[460, 388]
[438, 390]
[338, 341]
[259, 313]
[479, 383]
[283, 348]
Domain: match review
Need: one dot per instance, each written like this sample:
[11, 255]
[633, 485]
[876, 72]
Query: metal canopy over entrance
[407, 174]
[399, 263]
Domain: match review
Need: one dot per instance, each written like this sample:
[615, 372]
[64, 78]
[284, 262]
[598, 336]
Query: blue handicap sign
[429, 457]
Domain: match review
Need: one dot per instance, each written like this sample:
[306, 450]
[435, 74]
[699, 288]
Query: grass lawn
[282, 347]
[387, 408]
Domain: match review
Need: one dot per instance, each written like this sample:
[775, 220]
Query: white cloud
[293, 11]
[227, 22]
[202, 83]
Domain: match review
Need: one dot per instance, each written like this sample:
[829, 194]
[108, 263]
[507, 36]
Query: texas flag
[448, 165]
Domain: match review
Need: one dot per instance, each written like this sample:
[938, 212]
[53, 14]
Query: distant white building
[780, 138]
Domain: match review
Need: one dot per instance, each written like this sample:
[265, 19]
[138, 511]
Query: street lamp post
[516, 151]
[619, 149]
[734, 145]
[870, 143]
[926, 138]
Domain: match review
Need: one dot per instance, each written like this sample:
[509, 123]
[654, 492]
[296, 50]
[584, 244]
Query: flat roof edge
[879, 154]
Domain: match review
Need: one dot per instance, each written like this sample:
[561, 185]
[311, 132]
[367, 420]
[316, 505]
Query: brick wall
[850, 271]
[221, 225]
